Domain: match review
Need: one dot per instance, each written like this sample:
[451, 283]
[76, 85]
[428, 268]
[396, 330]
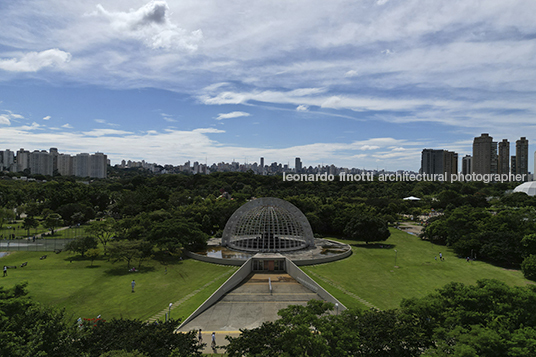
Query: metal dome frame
[268, 224]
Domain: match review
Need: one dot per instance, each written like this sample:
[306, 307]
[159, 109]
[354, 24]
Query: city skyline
[354, 84]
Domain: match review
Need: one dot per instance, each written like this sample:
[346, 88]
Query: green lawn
[105, 289]
[370, 274]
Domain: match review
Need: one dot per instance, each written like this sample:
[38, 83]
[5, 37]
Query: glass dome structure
[268, 225]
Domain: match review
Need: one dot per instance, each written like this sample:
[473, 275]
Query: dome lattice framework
[268, 225]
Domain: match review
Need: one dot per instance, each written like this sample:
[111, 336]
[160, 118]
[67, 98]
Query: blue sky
[356, 83]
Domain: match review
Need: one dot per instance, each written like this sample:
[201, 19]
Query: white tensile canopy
[528, 187]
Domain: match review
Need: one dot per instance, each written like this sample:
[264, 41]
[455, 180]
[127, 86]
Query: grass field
[367, 278]
[370, 273]
[104, 289]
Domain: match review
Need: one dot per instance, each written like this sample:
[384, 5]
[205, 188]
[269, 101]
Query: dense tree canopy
[30, 329]
[488, 319]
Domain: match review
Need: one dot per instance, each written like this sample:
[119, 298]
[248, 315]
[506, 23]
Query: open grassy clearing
[370, 271]
[104, 289]
[369, 274]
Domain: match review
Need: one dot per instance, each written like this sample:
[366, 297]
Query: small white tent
[412, 198]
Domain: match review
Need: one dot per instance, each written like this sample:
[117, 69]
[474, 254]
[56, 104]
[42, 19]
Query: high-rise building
[484, 155]
[503, 159]
[522, 156]
[513, 165]
[298, 165]
[54, 154]
[98, 165]
[261, 168]
[439, 162]
[65, 165]
[41, 163]
[7, 159]
[81, 165]
[23, 160]
[467, 164]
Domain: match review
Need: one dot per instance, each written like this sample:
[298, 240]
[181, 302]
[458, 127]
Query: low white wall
[305, 280]
[327, 259]
[230, 284]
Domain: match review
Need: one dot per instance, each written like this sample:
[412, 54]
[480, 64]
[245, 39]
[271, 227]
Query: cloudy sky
[356, 83]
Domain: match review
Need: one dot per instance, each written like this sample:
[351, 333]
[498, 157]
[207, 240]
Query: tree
[128, 250]
[81, 245]
[528, 267]
[29, 329]
[52, 221]
[30, 222]
[103, 231]
[152, 340]
[93, 254]
[367, 228]
[6, 215]
[529, 244]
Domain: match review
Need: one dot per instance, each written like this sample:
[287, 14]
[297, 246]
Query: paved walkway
[248, 306]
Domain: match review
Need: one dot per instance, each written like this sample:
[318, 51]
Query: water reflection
[224, 253]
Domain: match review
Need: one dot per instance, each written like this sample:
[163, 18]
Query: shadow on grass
[374, 245]
[123, 270]
[93, 266]
[166, 258]
[76, 258]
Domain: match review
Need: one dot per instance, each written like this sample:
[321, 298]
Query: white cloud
[4, 119]
[7, 118]
[151, 24]
[67, 126]
[168, 118]
[302, 108]
[351, 73]
[105, 132]
[232, 115]
[369, 147]
[100, 121]
[47, 117]
[35, 61]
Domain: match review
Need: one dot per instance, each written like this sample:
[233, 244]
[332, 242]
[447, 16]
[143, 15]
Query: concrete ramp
[251, 303]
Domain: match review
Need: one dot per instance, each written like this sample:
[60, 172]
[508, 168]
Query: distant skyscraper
[7, 159]
[54, 154]
[513, 165]
[23, 160]
[467, 164]
[484, 155]
[439, 162]
[504, 157]
[65, 165]
[41, 163]
[98, 165]
[261, 169]
[522, 156]
[81, 165]
[298, 165]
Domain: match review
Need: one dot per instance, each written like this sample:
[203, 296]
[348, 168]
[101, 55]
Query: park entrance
[267, 265]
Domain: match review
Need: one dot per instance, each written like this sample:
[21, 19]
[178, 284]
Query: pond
[224, 253]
